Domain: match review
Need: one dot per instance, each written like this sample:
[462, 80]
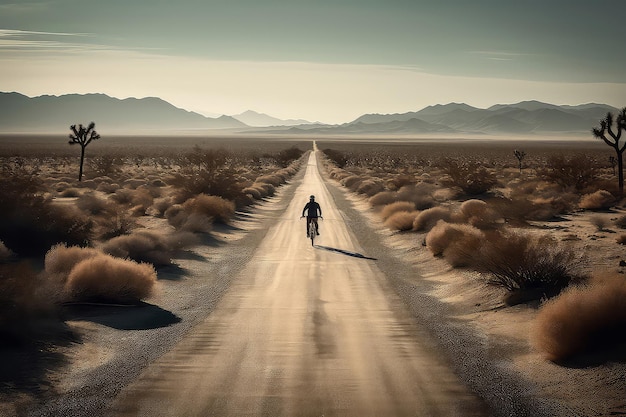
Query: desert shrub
[61, 186]
[351, 182]
[599, 222]
[401, 220]
[105, 278]
[621, 239]
[392, 208]
[70, 192]
[24, 296]
[479, 214]
[443, 235]
[217, 208]
[583, 318]
[117, 224]
[147, 246]
[370, 187]
[533, 266]
[419, 194]
[273, 179]
[287, 156]
[427, 219]
[337, 157]
[60, 259]
[576, 171]
[181, 219]
[267, 190]
[108, 188]
[105, 165]
[254, 192]
[600, 200]
[400, 181]
[383, 198]
[90, 203]
[469, 176]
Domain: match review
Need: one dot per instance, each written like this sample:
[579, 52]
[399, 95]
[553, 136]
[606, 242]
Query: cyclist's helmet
[312, 197]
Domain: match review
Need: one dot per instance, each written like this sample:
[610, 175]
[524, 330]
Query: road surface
[303, 331]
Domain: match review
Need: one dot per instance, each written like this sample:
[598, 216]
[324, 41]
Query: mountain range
[51, 114]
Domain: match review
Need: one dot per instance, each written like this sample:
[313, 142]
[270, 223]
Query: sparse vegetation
[583, 318]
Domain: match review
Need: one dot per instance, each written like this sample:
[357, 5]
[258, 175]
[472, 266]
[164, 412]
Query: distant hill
[529, 117]
[51, 114]
[252, 118]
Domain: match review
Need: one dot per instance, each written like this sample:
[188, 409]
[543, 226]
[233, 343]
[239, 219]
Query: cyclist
[312, 208]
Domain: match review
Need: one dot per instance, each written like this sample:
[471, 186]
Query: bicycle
[312, 232]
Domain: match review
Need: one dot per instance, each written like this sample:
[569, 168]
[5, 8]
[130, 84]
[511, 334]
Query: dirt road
[303, 330]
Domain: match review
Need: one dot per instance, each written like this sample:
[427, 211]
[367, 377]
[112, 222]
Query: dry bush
[70, 192]
[352, 181]
[392, 208]
[600, 200]
[273, 179]
[419, 194]
[160, 205]
[383, 198]
[401, 220]
[254, 192]
[599, 222]
[479, 214]
[29, 221]
[443, 235]
[427, 219]
[60, 259]
[621, 239]
[116, 224]
[108, 188]
[92, 204]
[337, 157]
[147, 246]
[24, 296]
[370, 187]
[583, 318]
[469, 176]
[576, 171]
[531, 266]
[61, 186]
[217, 208]
[105, 278]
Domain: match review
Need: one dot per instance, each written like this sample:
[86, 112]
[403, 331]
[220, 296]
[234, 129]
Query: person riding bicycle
[312, 208]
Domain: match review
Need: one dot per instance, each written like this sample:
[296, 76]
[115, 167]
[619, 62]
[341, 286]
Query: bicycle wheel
[312, 233]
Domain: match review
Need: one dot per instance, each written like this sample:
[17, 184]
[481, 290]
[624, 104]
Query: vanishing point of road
[304, 331]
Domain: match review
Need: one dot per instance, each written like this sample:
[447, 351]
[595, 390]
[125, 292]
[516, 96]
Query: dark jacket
[313, 207]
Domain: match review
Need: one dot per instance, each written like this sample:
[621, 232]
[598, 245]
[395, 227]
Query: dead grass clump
[105, 278]
[621, 239]
[370, 187]
[419, 194]
[147, 246]
[273, 179]
[92, 204]
[217, 208]
[528, 266]
[61, 186]
[479, 214]
[60, 259]
[254, 192]
[401, 220]
[383, 198]
[351, 182]
[427, 219]
[600, 200]
[398, 206]
[107, 188]
[583, 318]
[443, 235]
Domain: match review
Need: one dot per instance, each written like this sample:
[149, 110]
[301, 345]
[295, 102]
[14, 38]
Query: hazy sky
[326, 60]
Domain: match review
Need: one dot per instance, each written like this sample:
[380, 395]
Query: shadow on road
[345, 252]
[142, 316]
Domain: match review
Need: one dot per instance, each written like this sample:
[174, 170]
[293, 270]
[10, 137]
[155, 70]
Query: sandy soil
[485, 343]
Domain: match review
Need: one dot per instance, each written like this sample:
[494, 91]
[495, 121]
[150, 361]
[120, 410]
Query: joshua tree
[520, 157]
[83, 136]
[606, 127]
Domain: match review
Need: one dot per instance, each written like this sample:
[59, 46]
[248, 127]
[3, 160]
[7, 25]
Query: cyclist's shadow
[345, 252]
